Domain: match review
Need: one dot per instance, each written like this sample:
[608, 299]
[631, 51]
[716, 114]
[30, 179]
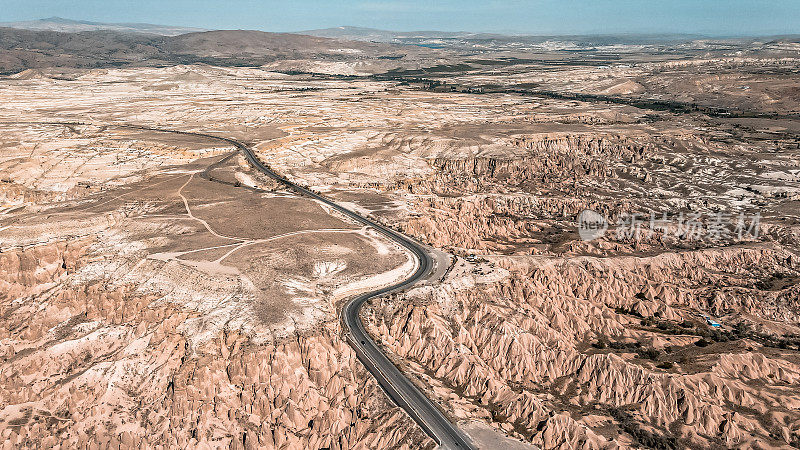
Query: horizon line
[506, 33]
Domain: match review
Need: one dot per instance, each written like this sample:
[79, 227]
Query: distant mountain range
[468, 42]
[37, 49]
[70, 44]
[75, 26]
[421, 38]
[410, 37]
[376, 35]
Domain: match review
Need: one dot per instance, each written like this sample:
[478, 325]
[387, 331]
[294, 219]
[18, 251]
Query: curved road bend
[399, 388]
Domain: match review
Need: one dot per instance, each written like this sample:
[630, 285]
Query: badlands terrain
[158, 291]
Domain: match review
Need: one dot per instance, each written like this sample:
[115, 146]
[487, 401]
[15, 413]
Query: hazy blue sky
[714, 17]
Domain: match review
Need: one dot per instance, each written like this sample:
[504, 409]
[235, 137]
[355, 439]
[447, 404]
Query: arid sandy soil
[150, 297]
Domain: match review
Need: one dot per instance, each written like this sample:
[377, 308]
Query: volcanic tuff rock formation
[84, 365]
[517, 348]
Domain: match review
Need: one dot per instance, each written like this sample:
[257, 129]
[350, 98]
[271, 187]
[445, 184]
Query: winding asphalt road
[399, 388]
[402, 391]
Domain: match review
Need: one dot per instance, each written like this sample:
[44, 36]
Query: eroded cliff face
[601, 353]
[548, 159]
[526, 200]
[487, 223]
[521, 202]
[546, 162]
